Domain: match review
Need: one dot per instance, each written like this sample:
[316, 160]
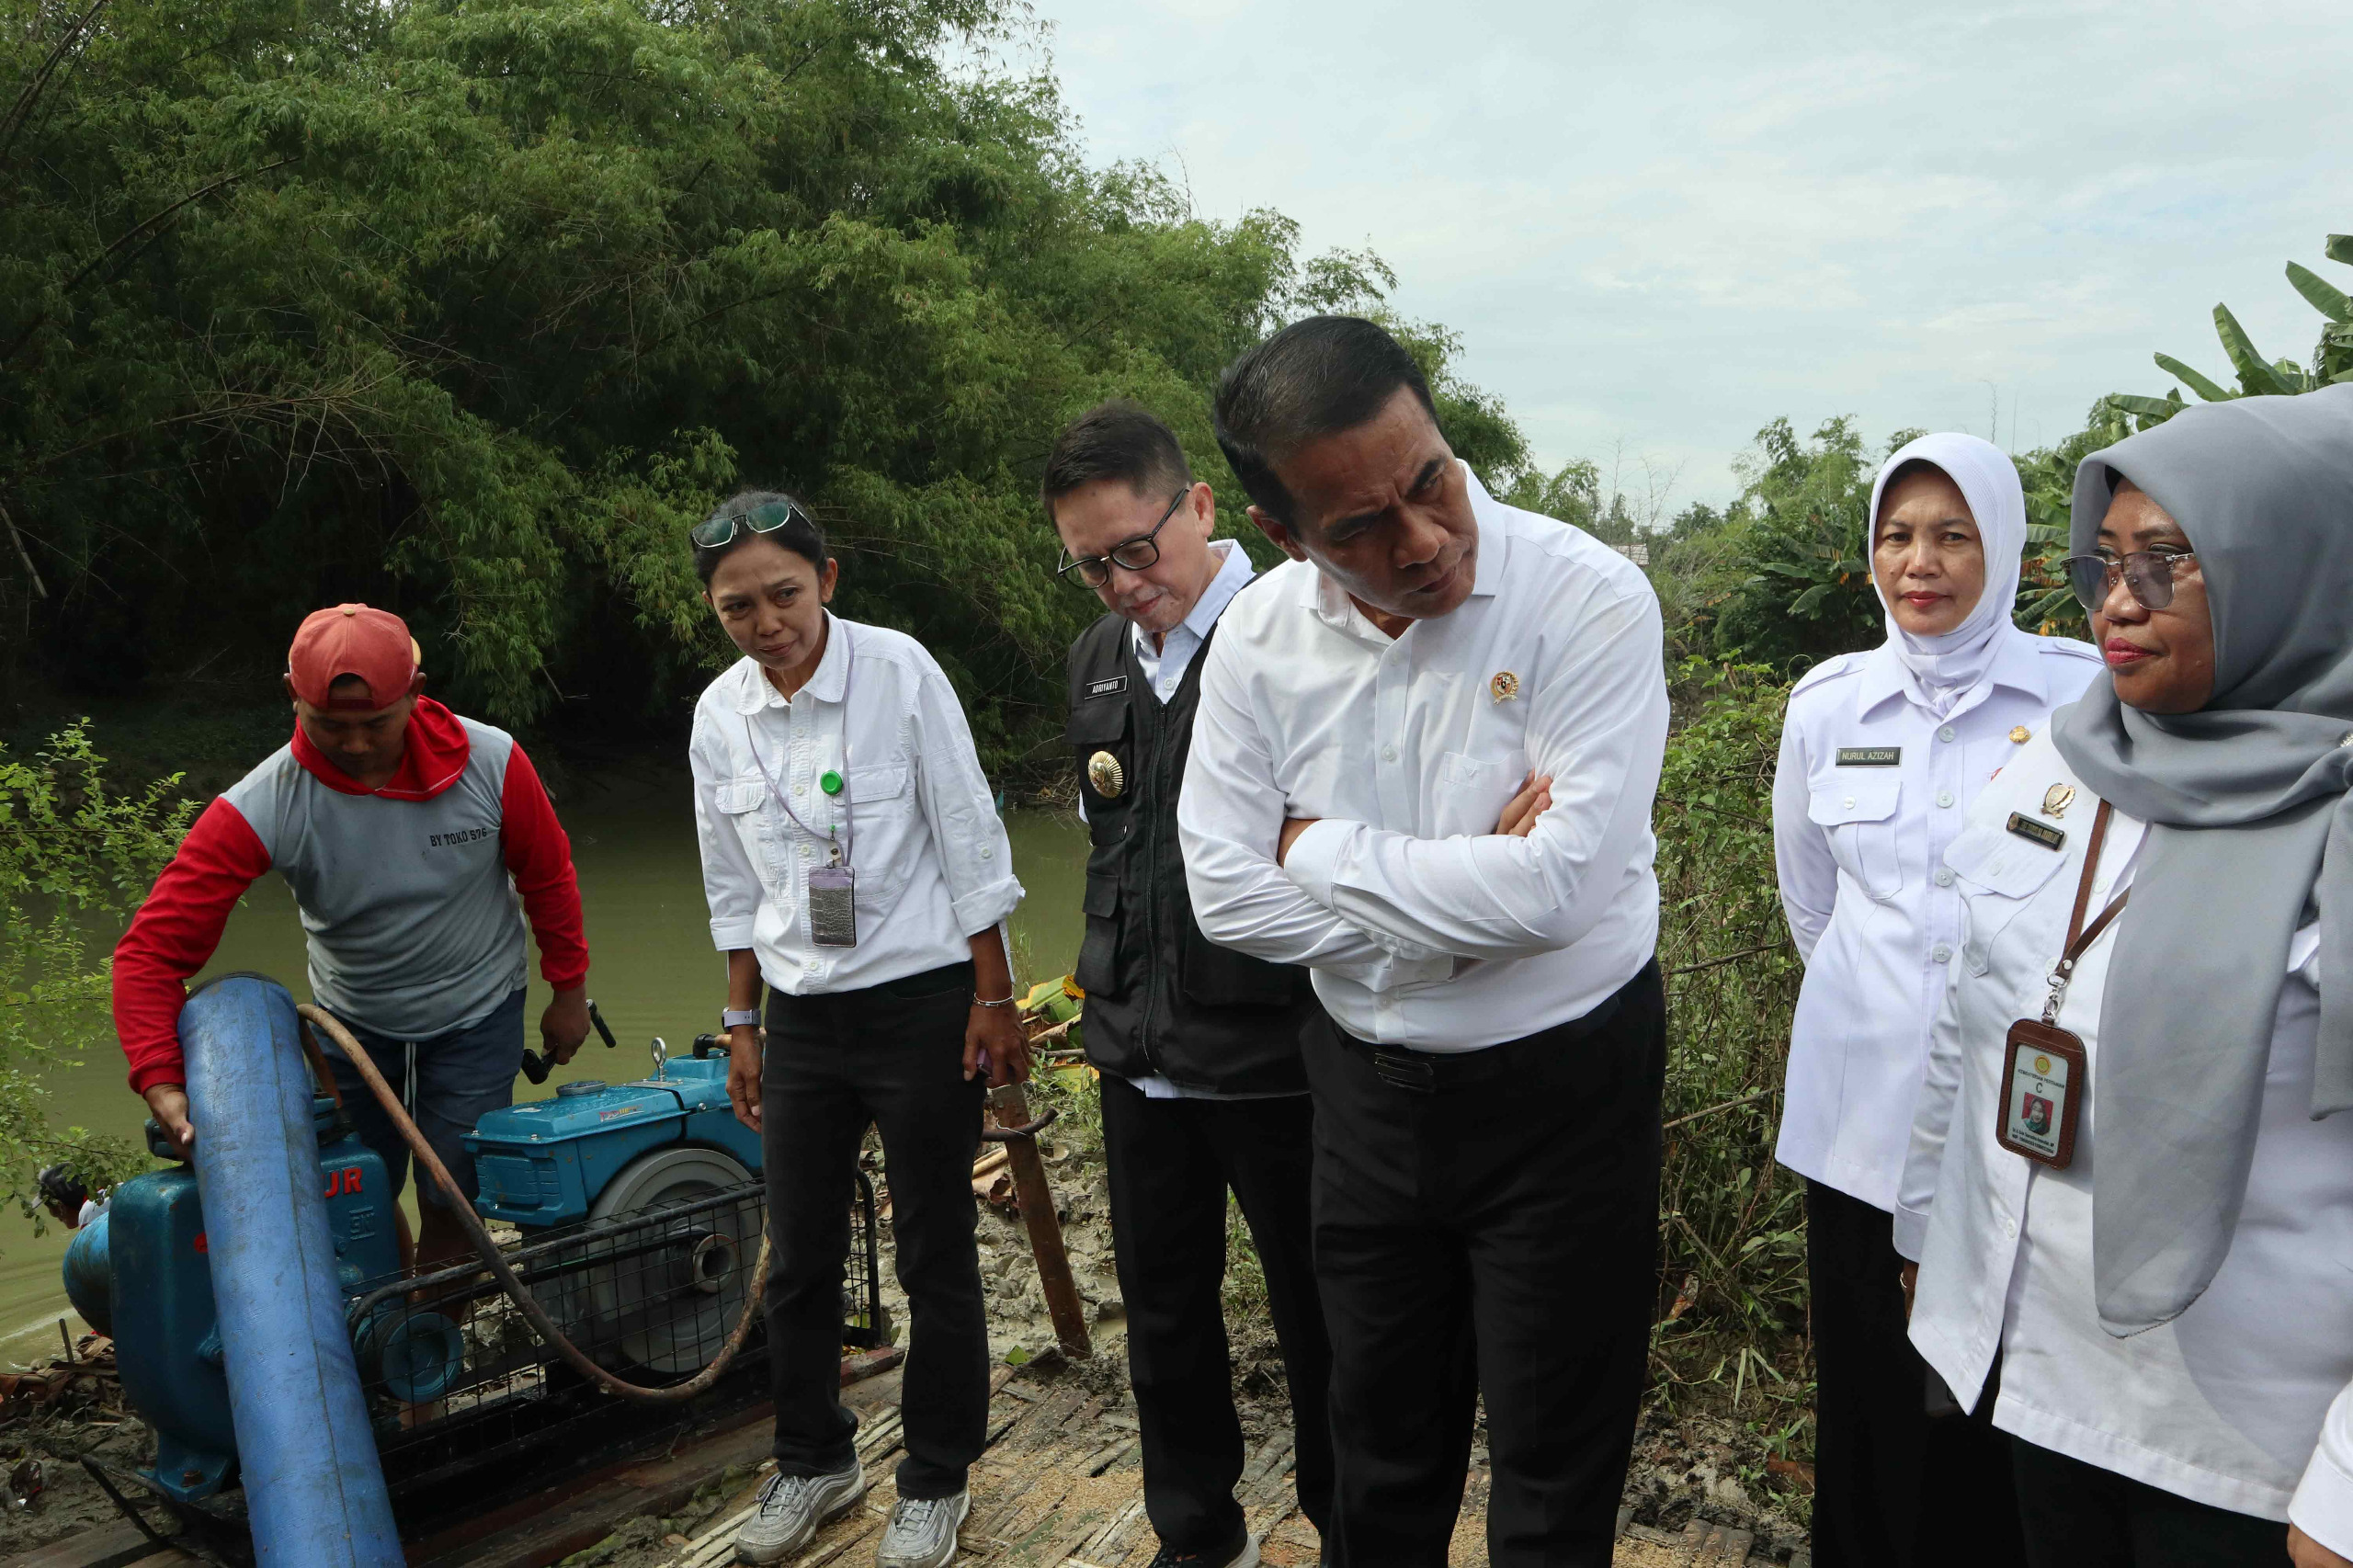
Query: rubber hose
[532, 1312]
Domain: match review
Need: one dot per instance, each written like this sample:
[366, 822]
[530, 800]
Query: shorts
[447, 1082]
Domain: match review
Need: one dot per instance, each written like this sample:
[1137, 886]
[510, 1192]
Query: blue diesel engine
[637, 1209]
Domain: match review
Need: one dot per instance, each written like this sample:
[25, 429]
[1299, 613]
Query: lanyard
[841, 843]
[2081, 936]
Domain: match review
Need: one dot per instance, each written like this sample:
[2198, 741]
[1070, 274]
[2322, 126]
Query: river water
[653, 972]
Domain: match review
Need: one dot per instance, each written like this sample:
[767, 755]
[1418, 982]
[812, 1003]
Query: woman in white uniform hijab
[2142, 1213]
[1881, 752]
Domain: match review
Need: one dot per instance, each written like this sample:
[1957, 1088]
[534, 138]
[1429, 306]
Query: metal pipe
[315, 1492]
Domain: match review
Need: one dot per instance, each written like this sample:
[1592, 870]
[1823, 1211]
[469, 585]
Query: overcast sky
[1657, 226]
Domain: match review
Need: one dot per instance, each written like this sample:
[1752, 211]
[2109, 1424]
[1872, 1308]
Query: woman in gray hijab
[2133, 1210]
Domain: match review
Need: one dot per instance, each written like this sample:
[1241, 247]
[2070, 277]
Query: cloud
[1664, 225]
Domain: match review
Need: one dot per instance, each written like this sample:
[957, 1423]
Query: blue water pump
[639, 1217]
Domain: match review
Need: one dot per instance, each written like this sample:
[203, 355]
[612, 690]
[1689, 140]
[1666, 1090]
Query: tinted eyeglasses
[2148, 574]
[1135, 554]
[766, 517]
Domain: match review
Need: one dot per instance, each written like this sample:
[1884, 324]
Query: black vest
[1161, 997]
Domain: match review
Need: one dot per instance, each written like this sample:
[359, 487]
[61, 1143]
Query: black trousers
[1892, 1486]
[2079, 1515]
[892, 1057]
[1494, 1232]
[1171, 1162]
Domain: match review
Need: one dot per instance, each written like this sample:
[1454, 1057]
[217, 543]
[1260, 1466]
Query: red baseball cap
[352, 640]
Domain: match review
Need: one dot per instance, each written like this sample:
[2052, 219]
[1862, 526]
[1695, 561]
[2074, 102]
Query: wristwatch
[737, 1018]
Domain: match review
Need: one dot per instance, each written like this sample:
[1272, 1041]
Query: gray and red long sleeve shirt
[408, 893]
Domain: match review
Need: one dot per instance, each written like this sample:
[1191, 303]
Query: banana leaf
[2340, 248]
[2255, 377]
[2325, 297]
[2212, 392]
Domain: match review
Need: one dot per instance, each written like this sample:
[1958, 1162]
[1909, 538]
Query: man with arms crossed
[1198, 1045]
[1486, 1087]
[407, 834]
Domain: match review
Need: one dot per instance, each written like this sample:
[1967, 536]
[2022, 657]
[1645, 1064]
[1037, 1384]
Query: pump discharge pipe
[315, 1492]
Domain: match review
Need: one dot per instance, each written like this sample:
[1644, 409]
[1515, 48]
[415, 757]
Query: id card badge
[833, 906]
[2044, 1079]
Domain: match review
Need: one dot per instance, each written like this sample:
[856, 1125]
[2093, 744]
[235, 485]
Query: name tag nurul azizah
[1870, 757]
[2041, 832]
[1111, 687]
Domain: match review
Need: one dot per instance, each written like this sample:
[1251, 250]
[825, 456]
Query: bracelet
[980, 1001]
[739, 1018]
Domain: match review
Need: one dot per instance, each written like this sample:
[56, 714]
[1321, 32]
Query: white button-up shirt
[1870, 789]
[932, 863]
[2225, 1403]
[1424, 926]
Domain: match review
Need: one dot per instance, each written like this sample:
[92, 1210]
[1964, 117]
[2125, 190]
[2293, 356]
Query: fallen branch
[1723, 958]
[1711, 1110]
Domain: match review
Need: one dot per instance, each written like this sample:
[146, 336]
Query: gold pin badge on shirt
[1505, 687]
[2057, 799]
[1103, 771]
[2020, 735]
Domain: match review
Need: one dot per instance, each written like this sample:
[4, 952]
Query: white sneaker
[793, 1509]
[923, 1532]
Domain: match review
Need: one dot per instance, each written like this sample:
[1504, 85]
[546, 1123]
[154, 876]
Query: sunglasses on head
[766, 517]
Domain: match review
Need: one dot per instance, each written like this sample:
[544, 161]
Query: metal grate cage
[456, 1377]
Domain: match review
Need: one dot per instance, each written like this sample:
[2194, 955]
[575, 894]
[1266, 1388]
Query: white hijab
[1942, 670]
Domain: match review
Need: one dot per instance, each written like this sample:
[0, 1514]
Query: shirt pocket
[1472, 791]
[1999, 873]
[878, 785]
[1859, 816]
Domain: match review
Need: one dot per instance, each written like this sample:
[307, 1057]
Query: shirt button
[1944, 876]
[1850, 802]
[1946, 734]
[1941, 953]
[2010, 1226]
[1388, 754]
[986, 852]
[1944, 796]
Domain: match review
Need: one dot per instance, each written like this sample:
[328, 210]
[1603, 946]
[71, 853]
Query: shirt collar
[754, 691]
[1495, 519]
[2018, 665]
[1231, 577]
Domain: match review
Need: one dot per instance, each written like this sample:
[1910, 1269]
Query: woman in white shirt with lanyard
[2118, 1188]
[854, 861]
[1881, 753]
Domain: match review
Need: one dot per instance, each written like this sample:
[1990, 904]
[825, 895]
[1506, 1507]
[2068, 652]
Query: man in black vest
[1198, 1045]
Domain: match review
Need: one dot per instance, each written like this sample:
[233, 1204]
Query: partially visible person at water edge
[855, 867]
[1198, 1045]
[1423, 767]
[407, 834]
[1882, 755]
[2131, 1180]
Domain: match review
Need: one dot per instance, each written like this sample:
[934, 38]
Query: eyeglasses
[2147, 573]
[766, 517]
[1135, 554]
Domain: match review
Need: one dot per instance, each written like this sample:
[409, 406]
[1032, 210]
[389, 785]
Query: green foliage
[1788, 572]
[2332, 356]
[1731, 1222]
[470, 307]
[74, 859]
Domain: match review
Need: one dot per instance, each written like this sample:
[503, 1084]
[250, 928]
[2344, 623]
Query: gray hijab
[2249, 823]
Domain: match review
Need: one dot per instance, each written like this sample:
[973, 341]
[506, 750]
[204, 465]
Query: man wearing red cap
[407, 834]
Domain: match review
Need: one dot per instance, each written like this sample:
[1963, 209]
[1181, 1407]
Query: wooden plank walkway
[1059, 1486]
